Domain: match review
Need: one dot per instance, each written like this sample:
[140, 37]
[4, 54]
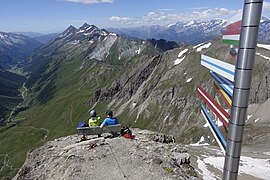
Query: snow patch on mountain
[103, 33]
[265, 57]
[182, 52]
[189, 24]
[189, 80]
[248, 117]
[170, 25]
[113, 34]
[205, 46]
[198, 45]
[165, 119]
[89, 28]
[86, 34]
[138, 51]
[204, 171]
[80, 31]
[265, 46]
[134, 104]
[200, 142]
[258, 168]
[256, 120]
[178, 61]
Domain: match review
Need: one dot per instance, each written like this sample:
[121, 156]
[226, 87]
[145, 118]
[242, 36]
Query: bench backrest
[97, 130]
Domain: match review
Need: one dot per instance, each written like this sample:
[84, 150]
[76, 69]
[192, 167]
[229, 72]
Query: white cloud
[90, 1]
[168, 9]
[162, 18]
[121, 20]
[116, 18]
[199, 8]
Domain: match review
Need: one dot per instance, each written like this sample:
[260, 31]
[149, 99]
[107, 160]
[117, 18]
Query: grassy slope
[58, 116]
[9, 94]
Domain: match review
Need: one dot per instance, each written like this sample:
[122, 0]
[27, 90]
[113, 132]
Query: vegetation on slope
[9, 91]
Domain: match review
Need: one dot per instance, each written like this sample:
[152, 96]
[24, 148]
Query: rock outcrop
[116, 158]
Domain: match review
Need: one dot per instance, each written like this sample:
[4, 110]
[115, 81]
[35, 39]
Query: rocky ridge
[116, 158]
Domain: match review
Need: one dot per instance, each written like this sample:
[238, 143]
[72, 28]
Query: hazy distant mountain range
[15, 49]
[192, 32]
[42, 38]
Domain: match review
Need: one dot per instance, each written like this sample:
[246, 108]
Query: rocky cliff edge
[109, 158]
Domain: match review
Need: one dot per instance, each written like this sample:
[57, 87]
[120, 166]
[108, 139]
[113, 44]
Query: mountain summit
[142, 158]
[70, 30]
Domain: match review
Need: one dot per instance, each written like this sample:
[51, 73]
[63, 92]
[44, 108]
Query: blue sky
[48, 16]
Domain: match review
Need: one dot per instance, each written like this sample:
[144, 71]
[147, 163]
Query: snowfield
[210, 161]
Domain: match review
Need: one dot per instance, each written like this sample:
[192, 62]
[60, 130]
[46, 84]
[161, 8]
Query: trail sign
[220, 67]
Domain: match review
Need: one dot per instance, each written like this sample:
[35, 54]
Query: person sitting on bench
[94, 120]
[110, 120]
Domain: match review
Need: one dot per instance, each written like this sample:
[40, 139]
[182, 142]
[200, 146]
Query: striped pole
[224, 83]
[214, 106]
[214, 129]
[223, 94]
[242, 81]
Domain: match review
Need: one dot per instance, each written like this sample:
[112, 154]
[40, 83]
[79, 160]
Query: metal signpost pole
[242, 81]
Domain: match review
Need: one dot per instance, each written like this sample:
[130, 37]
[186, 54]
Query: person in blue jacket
[110, 120]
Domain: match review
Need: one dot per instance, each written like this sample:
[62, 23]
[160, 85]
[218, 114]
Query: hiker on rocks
[110, 120]
[94, 120]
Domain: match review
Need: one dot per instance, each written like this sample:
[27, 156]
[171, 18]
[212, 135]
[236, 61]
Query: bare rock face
[163, 138]
[116, 158]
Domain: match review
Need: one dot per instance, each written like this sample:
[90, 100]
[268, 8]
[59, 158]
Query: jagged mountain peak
[70, 30]
[85, 33]
[86, 26]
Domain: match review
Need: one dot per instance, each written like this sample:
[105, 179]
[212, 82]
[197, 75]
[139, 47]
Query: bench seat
[97, 130]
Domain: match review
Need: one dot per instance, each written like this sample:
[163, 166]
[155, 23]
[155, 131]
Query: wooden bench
[97, 130]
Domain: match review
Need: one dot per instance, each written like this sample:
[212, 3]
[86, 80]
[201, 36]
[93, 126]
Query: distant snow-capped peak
[10, 38]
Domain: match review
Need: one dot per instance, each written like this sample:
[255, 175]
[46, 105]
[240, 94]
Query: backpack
[126, 133]
[82, 124]
[125, 130]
